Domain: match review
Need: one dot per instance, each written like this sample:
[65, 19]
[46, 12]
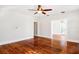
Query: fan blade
[62, 12]
[47, 10]
[32, 10]
[44, 13]
[35, 13]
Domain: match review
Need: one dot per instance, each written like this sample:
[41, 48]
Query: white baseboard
[44, 36]
[66, 40]
[32, 37]
[73, 41]
[16, 40]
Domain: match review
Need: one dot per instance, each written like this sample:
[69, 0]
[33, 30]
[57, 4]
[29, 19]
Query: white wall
[73, 26]
[15, 25]
[72, 29]
[44, 27]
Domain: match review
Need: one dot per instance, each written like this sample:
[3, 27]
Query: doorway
[58, 34]
[35, 28]
[58, 27]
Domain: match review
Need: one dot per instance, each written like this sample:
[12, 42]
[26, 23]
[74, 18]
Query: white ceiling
[56, 8]
[63, 7]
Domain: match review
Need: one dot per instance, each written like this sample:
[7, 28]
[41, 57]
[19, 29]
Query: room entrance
[58, 33]
[35, 28]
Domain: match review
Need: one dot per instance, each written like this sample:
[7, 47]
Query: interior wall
[15, 25]
[73, 26]
[44, 27]
[72, 29]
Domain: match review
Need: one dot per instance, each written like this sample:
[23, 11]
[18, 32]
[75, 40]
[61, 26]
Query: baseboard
[73, 41]
[8, 42]
[45, 37]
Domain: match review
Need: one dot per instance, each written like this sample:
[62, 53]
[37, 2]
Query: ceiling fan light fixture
[39, 11]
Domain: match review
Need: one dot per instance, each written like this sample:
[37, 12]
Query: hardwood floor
[37, 45]
[72, 47]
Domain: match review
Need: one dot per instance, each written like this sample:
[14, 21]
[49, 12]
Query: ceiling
[56, 8]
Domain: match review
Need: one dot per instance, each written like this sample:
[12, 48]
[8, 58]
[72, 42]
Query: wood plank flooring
[37, 45]
[72, 47]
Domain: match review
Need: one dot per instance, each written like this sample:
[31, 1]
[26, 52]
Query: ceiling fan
[40, 9]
